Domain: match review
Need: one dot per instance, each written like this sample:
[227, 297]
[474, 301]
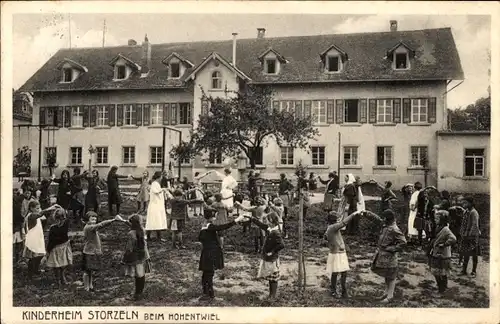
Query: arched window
[216, 80]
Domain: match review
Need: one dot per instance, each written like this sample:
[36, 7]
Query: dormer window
[333, 63]
[333, 59]
[270, 67]
[67, 75]
[401, 61]
[400, 56]
[120, 72]
[174, 70]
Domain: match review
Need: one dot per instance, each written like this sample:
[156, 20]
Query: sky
[36, 37]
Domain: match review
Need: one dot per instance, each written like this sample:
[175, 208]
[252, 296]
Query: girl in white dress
[156, 218]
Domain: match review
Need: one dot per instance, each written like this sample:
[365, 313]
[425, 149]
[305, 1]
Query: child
[136, 256]
[212, 257]
[44, 194]
[28, 197]
[178, 217]
[337, 262]
[34, 247]
[221, 215]
[59, 254]
[93, 196]
[17, 226]
[390, 242]
[198, 186]
[143, 194]
[258, 211]
[277, 206]
[92, 249]
[270, 264]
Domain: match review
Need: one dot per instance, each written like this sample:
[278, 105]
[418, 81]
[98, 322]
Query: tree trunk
[301, 277]
[251, 153]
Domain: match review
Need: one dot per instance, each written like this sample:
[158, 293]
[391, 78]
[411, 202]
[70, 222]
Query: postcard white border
[263, 315]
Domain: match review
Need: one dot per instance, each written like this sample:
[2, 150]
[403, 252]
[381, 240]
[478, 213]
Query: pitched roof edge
[113, 61]
[212, 56]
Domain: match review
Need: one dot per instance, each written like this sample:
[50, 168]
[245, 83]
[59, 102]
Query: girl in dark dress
[63, 190]
[77, 196]
[212, 257]
[470, 232]
[93, 196]
[387, 195]
[114, 196]
[59, 254]
[313, 183]
[44, 194]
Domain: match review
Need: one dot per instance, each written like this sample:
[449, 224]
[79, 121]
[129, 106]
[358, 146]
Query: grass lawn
[175, 280]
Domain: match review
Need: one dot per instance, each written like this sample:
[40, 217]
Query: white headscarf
[350, 178]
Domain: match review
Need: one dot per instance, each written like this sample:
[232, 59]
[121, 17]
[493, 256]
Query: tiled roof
[436, 58]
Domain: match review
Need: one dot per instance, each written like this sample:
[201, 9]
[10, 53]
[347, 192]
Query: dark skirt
[114, 197]
[389, 273]
[64, 200]
[440, 266]
[91, 262]
[419, 223]
[470, 246]
[329, 201]
[211, 259]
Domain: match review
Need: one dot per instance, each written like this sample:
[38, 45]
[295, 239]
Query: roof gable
[436, 58]
[179, 57]
[410, 50]
[342, 53]
[128, 61]
[73, 64]
[219, 58]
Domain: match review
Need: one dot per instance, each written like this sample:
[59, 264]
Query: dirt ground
[175, 280]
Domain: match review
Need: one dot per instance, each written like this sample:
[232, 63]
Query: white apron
[228, 185]
[35, 240]
[413, 214]
[156, 218]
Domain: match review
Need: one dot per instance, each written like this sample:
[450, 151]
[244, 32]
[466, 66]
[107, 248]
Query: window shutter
[307, 108]
[138, 114]
[174, 115]
[60, 116]
[298, 109]
[146, 114]
[43, 115]
[363, 111]
[431, 117]
[276, 105]
[406, 110]
[190, 111]
[67, 116]
[372, 111]
[86, 116]
[204, 107]
[111, 115]
[396, 110]
[330, 112]
[166, 114]
[119, 115]
[93, 116]
[339, 107]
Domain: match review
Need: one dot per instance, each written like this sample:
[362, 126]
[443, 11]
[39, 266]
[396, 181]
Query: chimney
[132, 42]
[394, 25]
[261, 32]
[146, 55]
[234, 48]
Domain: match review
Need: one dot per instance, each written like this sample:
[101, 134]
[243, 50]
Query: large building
[384, 92]
[22, 110]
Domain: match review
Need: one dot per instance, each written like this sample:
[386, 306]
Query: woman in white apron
[227, 187]
[156, 218]
[412, 231]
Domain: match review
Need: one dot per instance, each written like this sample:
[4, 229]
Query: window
[271, 66]
[286, 155]
[101, 155]
[175, 70]
[319, 112]
[186, 161]
[418, 156]
[49, 151]
[333, 63]
[474, 163]
[156, 155]
[77, 116]
[401, 61]
[351, 111]
[350, 155]
[288, 106]
[156, 114]
[215, 158]
[384, 156]
[318, 155]
[128, 115]
[184, 113]
[216, 80]
[102, 116]
[52, 117]
[259, 155]
[384, 111]
[120, 72]
[67, 75]
[76, 155]
[419, 110]
[128, 155]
